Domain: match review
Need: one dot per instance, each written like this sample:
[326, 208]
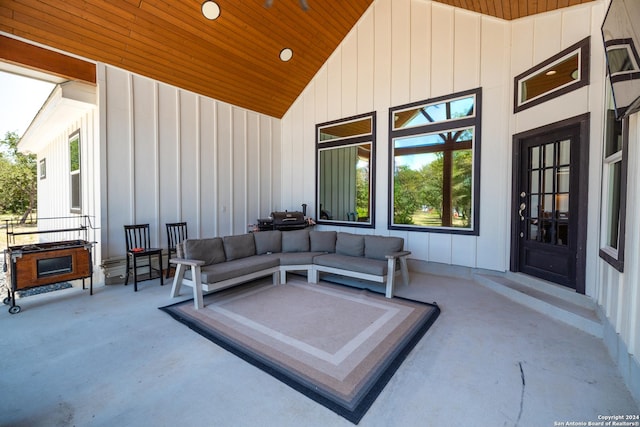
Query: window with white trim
[74, 172]
[614, 187]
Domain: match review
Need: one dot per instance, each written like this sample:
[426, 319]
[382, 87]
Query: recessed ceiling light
[550, 72]
[210, 9]
[286, 54]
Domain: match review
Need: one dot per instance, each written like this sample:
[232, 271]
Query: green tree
[431, 191]
[406, 194]
[461, 185]
[18, 178]
[362, 191]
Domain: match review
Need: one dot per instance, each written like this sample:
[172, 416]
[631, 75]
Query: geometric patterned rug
[337, 345]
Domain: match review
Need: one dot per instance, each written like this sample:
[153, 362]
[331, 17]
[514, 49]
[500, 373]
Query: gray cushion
[322, 241]
[208, 250]
[295, 241]
[351, 263]
[239, 267]
[268, 241]
[377, 247]
[350, 244]
[240, 246]
[297, 258]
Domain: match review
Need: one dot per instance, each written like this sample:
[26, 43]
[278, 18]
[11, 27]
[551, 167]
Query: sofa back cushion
[208, 250]
[295, 240]
[350, 244]
[377, 247]
[322, 241]
[269, 241]
[240, 246]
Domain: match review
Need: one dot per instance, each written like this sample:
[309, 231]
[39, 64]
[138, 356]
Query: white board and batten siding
[54, 190]
[403, 51]
[171, 155]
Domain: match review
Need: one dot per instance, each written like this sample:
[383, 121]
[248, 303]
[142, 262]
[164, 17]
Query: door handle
[522, 208]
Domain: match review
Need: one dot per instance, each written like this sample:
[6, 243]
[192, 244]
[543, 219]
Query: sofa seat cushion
[298, 258]
[352, 263]
[232, 269]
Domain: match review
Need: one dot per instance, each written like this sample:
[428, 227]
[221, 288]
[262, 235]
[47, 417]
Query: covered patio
[487, 361]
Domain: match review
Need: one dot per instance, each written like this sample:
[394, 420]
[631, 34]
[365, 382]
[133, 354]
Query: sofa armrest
[398, 254]
[188, 262]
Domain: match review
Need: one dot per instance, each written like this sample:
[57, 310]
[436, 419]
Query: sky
[20, 101]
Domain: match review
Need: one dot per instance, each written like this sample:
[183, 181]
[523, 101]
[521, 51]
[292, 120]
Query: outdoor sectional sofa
[212, 264]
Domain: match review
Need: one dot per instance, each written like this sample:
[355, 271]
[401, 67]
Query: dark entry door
[547, 205]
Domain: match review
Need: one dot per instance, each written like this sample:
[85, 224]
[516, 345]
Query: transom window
[435, 155]
[558, 75]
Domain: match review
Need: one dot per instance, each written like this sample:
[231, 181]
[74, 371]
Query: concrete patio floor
[114, 359]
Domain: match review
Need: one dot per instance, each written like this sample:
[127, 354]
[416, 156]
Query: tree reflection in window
[434, 146]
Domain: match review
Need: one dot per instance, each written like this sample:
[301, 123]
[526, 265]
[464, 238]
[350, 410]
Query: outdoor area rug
[337, 345]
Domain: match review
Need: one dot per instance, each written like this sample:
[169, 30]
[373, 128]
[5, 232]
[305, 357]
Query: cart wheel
[6, 301]
[15, 309]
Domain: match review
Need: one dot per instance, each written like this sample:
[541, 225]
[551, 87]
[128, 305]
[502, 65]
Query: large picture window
[614, 187]
[74, 171]
[345, 171]
[435, 160]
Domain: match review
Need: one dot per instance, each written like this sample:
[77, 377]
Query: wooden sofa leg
[312, 275]
[177, 280]
[404, 269]
[197, 287]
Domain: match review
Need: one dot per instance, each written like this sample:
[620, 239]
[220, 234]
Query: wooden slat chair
[139, 246]
[176, 233]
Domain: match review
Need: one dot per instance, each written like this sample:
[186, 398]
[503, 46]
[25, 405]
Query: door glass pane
[548, 180]
[545, 233]
[562, 233]
[535, 157]
[563, 179]
[564, 152]
[533, 230]
[548, 155]
[562, 207]
[533, 207]
[535, 177]
[547, 206]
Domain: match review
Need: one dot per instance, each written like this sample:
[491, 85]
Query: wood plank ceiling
[234, 58]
